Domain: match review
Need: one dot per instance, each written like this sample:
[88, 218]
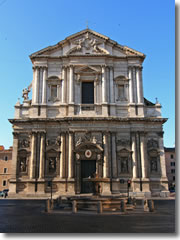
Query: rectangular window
[53, 92]
[173, 164]
[5, 170]
[88, 92]
[173, 178]
[4, 183]
[172, 170]
[172, 156]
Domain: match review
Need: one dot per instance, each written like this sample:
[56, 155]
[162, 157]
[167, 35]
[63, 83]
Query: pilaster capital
[64, 67]
[160, 134]
[71, 66]
[63, 133]
[16, 135]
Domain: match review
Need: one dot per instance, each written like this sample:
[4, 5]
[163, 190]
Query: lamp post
[128, 186]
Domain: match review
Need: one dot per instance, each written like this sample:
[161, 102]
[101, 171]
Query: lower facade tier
[44, 188]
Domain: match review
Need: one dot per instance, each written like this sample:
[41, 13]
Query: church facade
[87, 116]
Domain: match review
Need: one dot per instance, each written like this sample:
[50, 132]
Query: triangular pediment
[87, 69]
[86, 42]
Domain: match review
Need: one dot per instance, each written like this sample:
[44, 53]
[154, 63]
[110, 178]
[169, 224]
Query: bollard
[99, 207]
[47, 208]
[146, 208]
[123, 206]
[151, 205]
[134, 201]
[52, 204]
[74, 206]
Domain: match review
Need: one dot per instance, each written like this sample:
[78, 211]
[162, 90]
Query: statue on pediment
[25, 93]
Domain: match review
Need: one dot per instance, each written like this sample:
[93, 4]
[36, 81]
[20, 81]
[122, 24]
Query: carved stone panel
[152, 143]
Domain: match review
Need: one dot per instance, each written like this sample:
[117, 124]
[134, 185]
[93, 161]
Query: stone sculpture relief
[86, 138]
[54, 141]
[152, 143]
[87, 43]
[123, 142]
[24, 143]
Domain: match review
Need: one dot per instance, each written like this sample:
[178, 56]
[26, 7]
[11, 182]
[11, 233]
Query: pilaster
[114, 161]
[42, 158]
[33, 155]
[70, 156]
[62, 158]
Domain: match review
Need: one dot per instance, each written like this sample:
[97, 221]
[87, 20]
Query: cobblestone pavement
[28, 216]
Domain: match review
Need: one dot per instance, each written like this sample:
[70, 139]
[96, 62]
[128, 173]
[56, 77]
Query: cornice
[98, 119]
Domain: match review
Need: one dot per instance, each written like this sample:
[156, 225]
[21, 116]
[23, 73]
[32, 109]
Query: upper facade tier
[86, 75]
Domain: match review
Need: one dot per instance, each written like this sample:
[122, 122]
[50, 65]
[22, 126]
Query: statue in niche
[124, 165]
[52, 164]
[154, 165]
[25, 93]
[23, 164]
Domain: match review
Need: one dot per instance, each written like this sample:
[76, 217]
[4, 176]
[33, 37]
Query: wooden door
[88, 168]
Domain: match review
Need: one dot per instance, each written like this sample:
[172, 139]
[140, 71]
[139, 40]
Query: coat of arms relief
[87, 45]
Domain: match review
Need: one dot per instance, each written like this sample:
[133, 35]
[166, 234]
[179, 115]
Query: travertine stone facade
[87, 114]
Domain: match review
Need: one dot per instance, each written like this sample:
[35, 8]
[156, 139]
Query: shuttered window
[88, 92]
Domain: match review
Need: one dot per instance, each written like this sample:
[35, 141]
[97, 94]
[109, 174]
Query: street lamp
[128, 186]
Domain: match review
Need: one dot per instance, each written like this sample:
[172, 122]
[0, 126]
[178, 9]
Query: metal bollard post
[123, 206]
[99, 207]
[52, 204]
[74, 206]
[47, 209]
[151, 205]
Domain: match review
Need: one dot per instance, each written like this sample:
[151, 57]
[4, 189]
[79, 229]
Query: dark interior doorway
[88, 168]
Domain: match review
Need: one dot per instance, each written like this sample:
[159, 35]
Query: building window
[6, 158]
[173, 178]
[172, 164]
[5, 170]
[172, 170]
[53, 92]
[172, 156]
[4, 183]
[88, 92]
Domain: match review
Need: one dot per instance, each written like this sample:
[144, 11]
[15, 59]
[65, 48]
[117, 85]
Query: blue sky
[27, 26]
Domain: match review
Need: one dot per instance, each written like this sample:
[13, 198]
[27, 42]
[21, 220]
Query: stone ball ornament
[88, 153]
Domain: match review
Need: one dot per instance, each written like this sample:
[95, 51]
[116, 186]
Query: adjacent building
[5, 167]
[170, 157]
[87, 116]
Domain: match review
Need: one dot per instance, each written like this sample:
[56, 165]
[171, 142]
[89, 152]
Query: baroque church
[88, 115]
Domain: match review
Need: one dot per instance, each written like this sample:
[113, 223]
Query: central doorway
[88, 168]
